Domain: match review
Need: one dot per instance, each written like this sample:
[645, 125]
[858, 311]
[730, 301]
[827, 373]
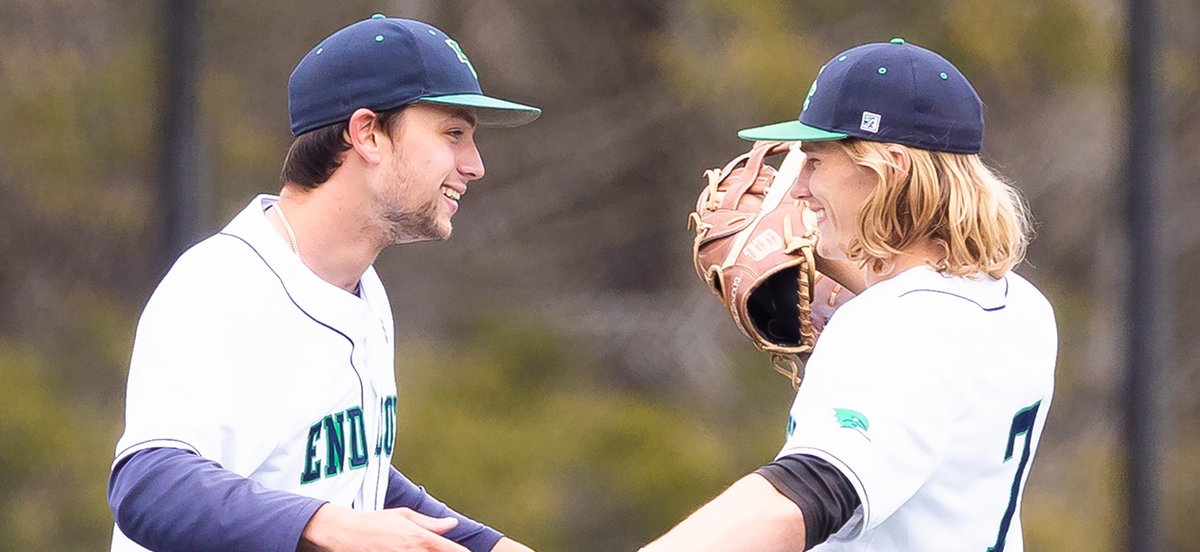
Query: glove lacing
[789, 367]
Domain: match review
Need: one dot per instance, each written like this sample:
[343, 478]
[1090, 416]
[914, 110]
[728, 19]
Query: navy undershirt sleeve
[172, 500]
[402, 493]
[822, 492]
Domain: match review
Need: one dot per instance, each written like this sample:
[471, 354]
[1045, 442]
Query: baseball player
[925, 396]
[261, 407]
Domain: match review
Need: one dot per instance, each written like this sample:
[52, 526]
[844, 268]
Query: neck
[330, 233]
[926, 254]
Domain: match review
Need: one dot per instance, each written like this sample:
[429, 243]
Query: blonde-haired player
[975, 219]
[926, 395]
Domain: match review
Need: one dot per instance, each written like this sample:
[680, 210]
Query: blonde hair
[978, 220]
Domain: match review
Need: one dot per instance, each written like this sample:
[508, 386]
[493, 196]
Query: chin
[428, 234]
[437, 229]
[830, 252]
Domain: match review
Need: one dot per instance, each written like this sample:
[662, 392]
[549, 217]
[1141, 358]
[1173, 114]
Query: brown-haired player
[261, 411]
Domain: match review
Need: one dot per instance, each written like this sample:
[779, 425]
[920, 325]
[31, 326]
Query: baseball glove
[755, 247]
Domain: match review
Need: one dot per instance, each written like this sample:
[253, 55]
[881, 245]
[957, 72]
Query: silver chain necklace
[288, 228]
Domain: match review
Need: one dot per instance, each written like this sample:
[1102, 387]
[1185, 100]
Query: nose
[801, 190]
[470, 164]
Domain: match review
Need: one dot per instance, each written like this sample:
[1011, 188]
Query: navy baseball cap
[887, 92]
[383, 63]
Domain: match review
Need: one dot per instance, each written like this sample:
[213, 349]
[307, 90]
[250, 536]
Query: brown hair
[314, 155]
[979, 220]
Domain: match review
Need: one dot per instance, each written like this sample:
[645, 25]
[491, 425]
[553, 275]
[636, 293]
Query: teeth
[451, 193]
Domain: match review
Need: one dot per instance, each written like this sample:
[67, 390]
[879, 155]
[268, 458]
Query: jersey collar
[989, 294]
[328, 303]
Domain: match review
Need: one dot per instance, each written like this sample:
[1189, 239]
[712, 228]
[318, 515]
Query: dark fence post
[182, 193]
[1148, 301]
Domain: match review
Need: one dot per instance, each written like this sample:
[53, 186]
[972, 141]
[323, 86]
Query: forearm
[750, 516]
[475, 536]
[508, 545]
[171, 499]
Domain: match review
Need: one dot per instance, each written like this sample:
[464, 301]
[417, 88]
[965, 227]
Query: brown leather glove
[755, 247]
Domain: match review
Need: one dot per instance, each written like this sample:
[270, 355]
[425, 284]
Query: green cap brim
[789, 131]
[493, 112]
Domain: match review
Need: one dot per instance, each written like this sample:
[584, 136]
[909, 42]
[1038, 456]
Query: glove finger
[749, 203]
[758, 187]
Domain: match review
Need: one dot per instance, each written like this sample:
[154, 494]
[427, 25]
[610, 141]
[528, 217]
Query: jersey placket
[372, 359]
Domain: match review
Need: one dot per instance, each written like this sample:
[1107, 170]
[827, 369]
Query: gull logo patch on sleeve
[852, 419]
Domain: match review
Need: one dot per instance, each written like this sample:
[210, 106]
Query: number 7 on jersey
[1022, 424]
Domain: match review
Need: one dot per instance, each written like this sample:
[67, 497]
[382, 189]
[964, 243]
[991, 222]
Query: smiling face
[836, 189]
[425, 172]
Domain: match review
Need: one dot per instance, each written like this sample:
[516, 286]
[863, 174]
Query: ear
[366, 136]
[900, 160]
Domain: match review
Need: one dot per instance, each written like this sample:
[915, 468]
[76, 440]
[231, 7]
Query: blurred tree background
[562, 374]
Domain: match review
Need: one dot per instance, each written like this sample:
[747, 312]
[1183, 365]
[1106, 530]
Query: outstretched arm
[172, 499]
[750, 516]
[508, 545]
[793, 503]
[339, 529]
[476, 537]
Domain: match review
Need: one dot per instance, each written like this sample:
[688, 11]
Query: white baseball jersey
[247, 358]
[930, 393]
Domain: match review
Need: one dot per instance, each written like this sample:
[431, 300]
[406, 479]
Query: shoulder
[921, 304]
[212, 275]
[218, 261]
[206, 311]
[925, 288]
[1026, 295]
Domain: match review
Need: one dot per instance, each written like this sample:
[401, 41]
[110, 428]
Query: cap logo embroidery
[461, 56]
[870, 122]
[812, 89]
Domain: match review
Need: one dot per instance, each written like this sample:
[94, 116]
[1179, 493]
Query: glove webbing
[786, 365]
[806, 275]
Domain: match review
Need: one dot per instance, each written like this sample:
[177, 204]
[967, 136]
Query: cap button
[897, 41]
[379, 16]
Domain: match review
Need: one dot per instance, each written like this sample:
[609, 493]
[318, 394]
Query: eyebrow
[813, 147]
[465, 116]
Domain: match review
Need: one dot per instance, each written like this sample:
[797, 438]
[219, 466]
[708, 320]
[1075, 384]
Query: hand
[508, 545]
[827, 296]
[339, 529]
